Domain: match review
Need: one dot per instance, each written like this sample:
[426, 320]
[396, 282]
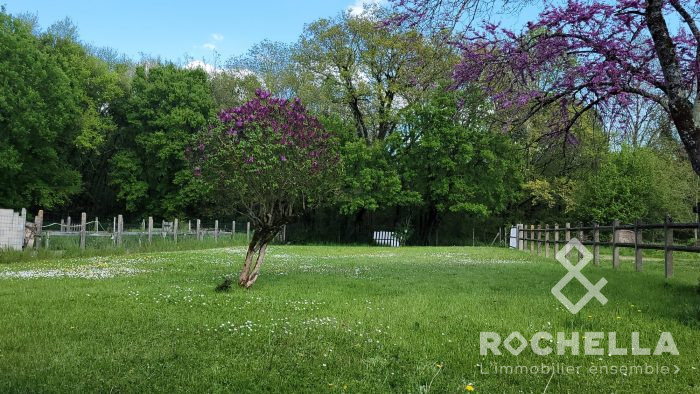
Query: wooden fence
[540, 238]
[115, 230]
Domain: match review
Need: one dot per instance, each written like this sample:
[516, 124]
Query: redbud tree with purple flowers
[268, 160]
[581, 55]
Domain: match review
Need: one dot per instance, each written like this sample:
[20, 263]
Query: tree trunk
[258, 245]
[243, 277]
[252, 248]
[256, 271]
[680, 107]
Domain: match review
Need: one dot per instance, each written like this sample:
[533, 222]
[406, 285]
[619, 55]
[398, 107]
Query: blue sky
[173, 29]
[181, 31]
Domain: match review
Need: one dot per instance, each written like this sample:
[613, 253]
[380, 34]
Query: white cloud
[217, 37]
[212, 70]
[209, 46]
[361, 6]
[208, 68]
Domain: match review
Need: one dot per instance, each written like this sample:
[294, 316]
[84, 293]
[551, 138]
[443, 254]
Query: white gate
[12, 229]
[513, 237]
[386, 238]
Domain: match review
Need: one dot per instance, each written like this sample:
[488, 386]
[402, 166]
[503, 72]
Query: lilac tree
[581, 56]
[268, 160]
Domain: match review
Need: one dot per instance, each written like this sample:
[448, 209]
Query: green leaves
[454, 160]
[164, 110]
[637, 184]
[39, 120]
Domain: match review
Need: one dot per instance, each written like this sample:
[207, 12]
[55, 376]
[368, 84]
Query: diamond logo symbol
[575, 273]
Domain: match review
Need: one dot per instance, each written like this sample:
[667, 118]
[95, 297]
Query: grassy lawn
[329, 319]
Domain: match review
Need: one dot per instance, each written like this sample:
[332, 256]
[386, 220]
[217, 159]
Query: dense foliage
[584, 55]
[82, 129]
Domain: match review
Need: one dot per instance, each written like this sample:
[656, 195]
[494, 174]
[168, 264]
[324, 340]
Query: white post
[120, 229]
[83, 225]
[175, 230]
[150, 228]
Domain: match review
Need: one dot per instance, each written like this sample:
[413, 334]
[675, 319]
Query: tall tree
[167, 105]
[41, 121]
[370, 72]
[610, 51]
[449, 154]
[97, 86]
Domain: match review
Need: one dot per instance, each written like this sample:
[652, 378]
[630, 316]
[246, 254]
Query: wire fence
[116, 233]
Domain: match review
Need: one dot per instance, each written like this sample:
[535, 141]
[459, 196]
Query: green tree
[96, 87]
[167, 105]
[368, 73]
[449, 154]
[270, 160]
[40, 121]
[637, 184]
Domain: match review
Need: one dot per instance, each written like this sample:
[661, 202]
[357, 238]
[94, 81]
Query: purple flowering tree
[580, 56]
[268, 160]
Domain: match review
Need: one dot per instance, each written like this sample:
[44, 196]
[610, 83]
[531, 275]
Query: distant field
[329, 319]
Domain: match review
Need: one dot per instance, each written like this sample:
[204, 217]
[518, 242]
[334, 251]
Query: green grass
[69, 246]
[328, 319]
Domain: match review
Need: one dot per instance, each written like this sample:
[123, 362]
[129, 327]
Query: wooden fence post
[556, 238]
[143, 225]
[114, 230]
[519, 235]
[615, 248]
[284, 233]
[216, 231]
[567, 233]
[546, 240]
[68, 227]
[580, 239]
[120, 229]
[83, 225]
[637, 249]
[596, 245]
[97, 225]
[532, 238]
[175, 223]
[63, 226]
[668, 252]
[189, 227]
[524, 231]
[233, 230]
[39, 222]
[539, 239]
[199, 227]
[150, 229]
[247, 233]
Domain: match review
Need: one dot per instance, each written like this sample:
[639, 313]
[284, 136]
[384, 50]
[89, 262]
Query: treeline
[85, 130]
